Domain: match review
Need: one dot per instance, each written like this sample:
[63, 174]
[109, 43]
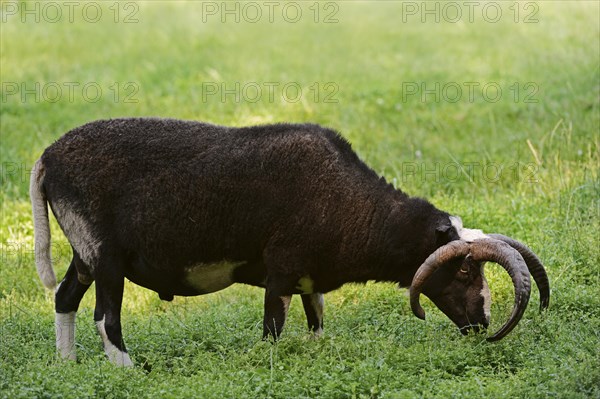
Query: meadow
[491, 115]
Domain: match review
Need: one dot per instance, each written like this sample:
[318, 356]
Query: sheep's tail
[41, 226]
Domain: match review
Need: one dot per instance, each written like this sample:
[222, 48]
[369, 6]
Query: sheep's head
[452, 277]
[461, 292]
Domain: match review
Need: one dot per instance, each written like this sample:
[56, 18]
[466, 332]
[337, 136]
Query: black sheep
[188, 208]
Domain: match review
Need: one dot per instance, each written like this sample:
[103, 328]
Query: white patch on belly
[468, 235]
[78, 231]
[65, 335]
[305, 285]
[211, 277]
[116, 356]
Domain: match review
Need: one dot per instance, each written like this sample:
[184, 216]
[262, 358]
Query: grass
[526, 169]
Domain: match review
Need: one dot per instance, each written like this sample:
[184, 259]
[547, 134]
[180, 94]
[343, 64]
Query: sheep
[188, 208]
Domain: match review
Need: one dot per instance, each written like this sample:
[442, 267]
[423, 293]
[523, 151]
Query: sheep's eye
[464, 268]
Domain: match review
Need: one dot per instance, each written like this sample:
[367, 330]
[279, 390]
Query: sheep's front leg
[313, 307]
[276, 310]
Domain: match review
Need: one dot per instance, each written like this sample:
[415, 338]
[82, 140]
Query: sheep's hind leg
[313, 307]
[110, 283]
[69, 293]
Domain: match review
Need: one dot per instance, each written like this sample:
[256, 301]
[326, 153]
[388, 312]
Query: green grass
[546, 195]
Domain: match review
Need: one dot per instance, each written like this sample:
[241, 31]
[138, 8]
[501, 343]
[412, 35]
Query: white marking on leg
[115, 355]
[468, 235]
[485, 294]
[317, 303]
[65, 335]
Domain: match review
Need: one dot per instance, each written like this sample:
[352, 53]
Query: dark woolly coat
[289, 200]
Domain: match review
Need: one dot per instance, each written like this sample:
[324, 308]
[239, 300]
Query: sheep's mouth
[476, 328]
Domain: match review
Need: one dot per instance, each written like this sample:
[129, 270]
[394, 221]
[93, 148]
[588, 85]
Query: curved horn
[511, 260]
[534, 264]
[481, 250]
[442, 255]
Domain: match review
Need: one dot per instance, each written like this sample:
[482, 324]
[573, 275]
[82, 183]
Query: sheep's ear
[445, 232]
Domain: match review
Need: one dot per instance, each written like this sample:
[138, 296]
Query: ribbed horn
[444, 254]
[534, 264]
[489, 249]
